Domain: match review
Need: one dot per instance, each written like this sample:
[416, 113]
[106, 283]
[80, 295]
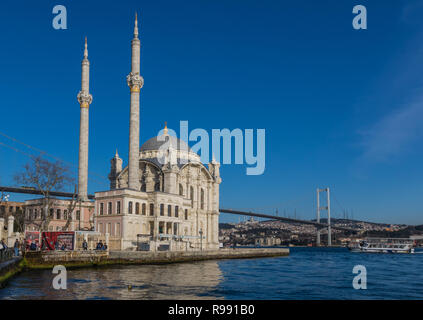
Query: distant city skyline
[342, 108]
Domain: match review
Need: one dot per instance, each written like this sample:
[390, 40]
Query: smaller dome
[156, 142]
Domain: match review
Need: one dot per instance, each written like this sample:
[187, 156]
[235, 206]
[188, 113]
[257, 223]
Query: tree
[70, 209]
[44, 176]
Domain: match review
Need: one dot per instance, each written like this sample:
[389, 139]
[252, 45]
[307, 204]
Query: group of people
[101, 246]
[60, 246]
[33, 246]
[16, 246]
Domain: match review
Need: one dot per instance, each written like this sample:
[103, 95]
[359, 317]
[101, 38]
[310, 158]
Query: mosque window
[181, 190]
[130, 207]
[169, 210]
[192, 196]
[176, 211]
[151, 209]
[162, 209]
[58, 214]
[202, 198]
[118, 207]
[109, 208]
[137, 208]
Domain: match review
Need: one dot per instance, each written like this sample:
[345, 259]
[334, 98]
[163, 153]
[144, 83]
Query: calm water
[308, 273]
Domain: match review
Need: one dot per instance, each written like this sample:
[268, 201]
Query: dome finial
[165, 128]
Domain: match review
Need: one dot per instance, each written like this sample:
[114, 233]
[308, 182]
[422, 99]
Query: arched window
[169, 210]
[181, 190]
[137, 208]
[162, 209]
[151, 209]
[191, 196]
[143, 209]
[130, 207]
[202, 199]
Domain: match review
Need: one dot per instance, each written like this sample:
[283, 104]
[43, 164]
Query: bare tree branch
[44, 176]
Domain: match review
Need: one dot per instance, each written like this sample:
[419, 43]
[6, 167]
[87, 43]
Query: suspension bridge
[317, 224]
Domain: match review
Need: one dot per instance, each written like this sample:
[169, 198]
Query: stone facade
[176, 204]
[81, 219]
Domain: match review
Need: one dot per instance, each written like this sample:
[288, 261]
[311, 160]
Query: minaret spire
[135, 83]
[84, 99]
[136, 26]
[86, 49]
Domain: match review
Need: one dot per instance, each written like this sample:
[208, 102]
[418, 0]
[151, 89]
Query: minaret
[135, 83]
[115, 169]
[84, 99]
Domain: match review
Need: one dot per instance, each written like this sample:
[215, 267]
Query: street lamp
[201, 239]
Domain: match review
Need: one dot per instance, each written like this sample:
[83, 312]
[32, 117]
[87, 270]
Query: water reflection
[172, 281]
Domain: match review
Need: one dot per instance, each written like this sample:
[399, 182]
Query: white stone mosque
[165, 198]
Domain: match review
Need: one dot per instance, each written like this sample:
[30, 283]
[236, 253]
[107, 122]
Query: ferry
[384, 245]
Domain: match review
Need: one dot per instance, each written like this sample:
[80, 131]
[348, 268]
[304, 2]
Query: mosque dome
[165, 141]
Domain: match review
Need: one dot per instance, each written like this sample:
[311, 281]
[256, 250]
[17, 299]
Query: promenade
[47, 259]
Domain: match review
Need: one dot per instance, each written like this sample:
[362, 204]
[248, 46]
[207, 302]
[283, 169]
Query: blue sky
[341, 107]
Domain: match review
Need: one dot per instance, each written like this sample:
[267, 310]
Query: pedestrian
[33, 246]
[16, 247]
[99, 246]
[3, 244]
[85, 245]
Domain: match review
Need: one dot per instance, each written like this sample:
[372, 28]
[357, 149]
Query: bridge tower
[319, 208]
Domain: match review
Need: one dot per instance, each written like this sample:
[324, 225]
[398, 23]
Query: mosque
[165, 198]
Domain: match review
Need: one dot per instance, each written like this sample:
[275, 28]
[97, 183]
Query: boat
[384, 245]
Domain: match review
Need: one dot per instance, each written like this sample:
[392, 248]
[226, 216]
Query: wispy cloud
[394, 134]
